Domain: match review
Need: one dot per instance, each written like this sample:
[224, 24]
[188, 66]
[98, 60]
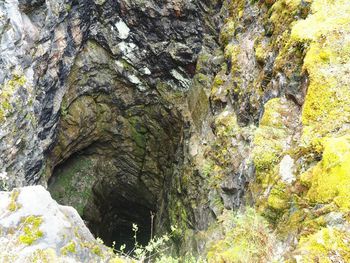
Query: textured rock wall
[256, 116]
[271, 105]
[149, 45]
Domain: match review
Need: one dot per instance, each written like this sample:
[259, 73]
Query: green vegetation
[14, 205]
[76, 174]
[7, 91]
[247, 238]
[327, 245]
[69, 248]
[31, 229]
[329, 180]
[326, 62]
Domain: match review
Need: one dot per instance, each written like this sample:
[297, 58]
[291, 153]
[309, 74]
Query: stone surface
[34, 227]
[197, 108]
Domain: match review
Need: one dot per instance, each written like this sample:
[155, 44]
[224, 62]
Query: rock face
[34, 228]
[178, 113]
[145, 47]
[99, 79]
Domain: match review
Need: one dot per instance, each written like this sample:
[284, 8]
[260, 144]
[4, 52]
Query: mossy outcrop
[229, 119]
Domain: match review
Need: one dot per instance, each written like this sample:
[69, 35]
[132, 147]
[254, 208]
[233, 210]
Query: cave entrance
[109, 201]
[115, 150]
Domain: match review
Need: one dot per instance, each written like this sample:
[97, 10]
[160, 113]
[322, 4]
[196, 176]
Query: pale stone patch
[123, 29]
[286, 170]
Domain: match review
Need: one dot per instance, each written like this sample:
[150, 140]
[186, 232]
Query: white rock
[60, 225]
[287, 169]
[123, 30]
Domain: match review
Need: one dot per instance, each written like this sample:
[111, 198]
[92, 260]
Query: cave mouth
[115, 151]
[109, 201]
[116, 178]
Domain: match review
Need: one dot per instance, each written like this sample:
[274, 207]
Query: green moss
[96, 250]
[329, 180]
[279, 197]
[13, 206]
[69, 248]
[8, 89]
[327, 63]
[31, 229]
[327, 245]
[227, 32]
[260, 53]
[138, 133]
[73, 183]
[273, 111]
[247, 239]
[268, 147]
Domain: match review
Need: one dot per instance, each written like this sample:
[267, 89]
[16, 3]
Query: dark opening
[109, 201]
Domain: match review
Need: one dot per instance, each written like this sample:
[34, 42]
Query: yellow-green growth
[329, 180]
[247, 239]
[327, 63]
[31, 229]
[279, 197]
[69, 248]
[96, 250]
[13, 206]
[227, 32]
[117, 260]
[44, 256]
[327, 245]
[6, 94]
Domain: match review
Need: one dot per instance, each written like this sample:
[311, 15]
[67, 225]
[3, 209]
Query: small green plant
[154, 251]
[247, 238]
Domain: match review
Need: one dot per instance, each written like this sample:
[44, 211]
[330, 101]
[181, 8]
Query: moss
[268, 147]
[260, 53]
[138, 133]
[279, 197]
[31, 229]
[329, 180]
[271, 136]
[227, 32]
[69, 248]
[7, 91]
[327, 245]
[96, 250]
[247, 239]
[326, 63]
[43, 256]
[14, 206]
[117, 260]
[70, 187]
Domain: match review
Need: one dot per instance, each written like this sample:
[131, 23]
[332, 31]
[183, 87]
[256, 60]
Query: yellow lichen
[44, 256]
[69, 248]
[329, 180]
[31, 229]
[13, 206]
[327, 62]
[327, 245]
[7, 90]
[247, 239]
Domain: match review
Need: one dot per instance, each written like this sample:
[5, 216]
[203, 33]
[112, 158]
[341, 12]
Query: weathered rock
[34, 228]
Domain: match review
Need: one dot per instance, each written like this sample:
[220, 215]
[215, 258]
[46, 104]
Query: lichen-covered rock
[194, 107]
[34, 228]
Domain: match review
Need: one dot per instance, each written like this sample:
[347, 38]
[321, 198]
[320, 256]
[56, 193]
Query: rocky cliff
[227, 119]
